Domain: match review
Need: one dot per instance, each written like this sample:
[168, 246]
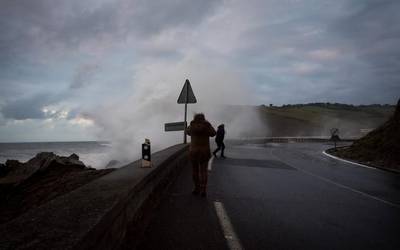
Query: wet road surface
[280, 196]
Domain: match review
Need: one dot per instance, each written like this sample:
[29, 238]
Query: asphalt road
[280, 196]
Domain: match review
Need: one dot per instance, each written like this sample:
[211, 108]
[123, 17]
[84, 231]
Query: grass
[380, 147]
[317, 119]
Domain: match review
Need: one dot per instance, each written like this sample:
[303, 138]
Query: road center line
[351, 189]
[343, 186]
[227, 228]
[210, 162]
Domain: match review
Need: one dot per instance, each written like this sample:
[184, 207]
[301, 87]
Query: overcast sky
[63, 60]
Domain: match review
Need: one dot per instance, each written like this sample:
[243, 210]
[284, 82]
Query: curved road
[280, 196]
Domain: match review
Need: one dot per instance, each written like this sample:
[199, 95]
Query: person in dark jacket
[219, 139]
[200, 131]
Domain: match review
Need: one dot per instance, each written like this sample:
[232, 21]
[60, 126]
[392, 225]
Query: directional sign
[187, 95]
[174, 126]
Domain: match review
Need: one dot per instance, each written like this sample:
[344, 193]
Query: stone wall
[100, 214]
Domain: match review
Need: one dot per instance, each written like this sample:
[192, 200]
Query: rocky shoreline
[44, 177]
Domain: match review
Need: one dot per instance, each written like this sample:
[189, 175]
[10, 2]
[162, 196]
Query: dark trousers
[220, 146]
[200, 175]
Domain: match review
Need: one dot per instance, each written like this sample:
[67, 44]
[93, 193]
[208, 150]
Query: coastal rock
[16, 172]
[74, 157]
[3, 170]
[45, 160]
[39, 180]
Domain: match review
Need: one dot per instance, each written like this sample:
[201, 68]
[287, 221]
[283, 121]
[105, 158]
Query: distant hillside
[381, 147]
[316, 119]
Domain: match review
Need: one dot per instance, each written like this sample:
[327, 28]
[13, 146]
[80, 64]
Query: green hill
[381, 147]
[316, 119]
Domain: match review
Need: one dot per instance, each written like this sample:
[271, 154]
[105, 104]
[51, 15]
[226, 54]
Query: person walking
[219, 139]
[200, 131]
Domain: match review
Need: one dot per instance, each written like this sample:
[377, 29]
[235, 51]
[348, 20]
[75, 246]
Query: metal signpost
[174, 126]
[335, 136]
[186, 96]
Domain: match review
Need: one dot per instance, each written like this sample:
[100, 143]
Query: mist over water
[128, 121]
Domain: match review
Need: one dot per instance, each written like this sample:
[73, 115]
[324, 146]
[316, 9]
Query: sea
[92, 153]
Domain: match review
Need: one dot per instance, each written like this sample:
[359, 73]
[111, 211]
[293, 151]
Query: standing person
[219, 139]
[200, 131]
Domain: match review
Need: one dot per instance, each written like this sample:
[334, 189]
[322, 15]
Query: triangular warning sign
[187, 95]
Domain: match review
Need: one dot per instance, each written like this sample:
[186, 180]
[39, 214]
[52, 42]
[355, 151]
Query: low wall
[100, 214]
[264, 140]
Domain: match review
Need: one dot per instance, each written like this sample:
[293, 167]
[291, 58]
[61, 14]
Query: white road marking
[354, 163]
[227, 228]
[210, 162]
[349, 188]
[343, 186]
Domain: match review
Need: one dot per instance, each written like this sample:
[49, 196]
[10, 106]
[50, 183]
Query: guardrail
[102, 213]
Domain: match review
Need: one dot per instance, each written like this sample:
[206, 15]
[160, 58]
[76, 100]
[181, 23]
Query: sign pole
[186, 96]
[186, 102]
[185, 126]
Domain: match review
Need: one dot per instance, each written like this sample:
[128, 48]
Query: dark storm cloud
[27, 108]
[46, 24]
[373, 34]
[319, 46]
[40, 30]
[26, 25]
[374, 31]
[161, 15]
[344, 51]
[94, 52]
[84, 75]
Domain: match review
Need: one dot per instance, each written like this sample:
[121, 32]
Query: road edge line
[362, 165]
[395, 205]
[230, 235]
[347, 161]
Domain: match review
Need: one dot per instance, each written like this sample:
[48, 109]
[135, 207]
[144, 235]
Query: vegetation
[381, 147]
[316, 119]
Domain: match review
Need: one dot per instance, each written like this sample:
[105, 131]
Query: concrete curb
[359, 164]
[99, 214]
